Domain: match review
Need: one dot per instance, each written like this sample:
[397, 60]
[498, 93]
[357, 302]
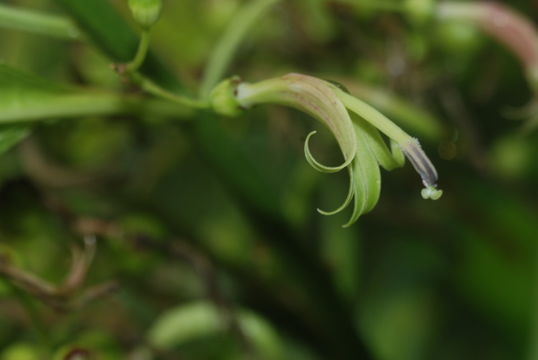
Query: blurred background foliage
[199, 234]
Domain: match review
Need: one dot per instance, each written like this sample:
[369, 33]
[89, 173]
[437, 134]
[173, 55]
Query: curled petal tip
[431, 192]
[347, 201]
[317, 165]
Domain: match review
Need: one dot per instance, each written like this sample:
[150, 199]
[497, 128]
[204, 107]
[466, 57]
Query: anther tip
[431, 192]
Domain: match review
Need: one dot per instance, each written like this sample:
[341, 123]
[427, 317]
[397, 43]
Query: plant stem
[38, 23]
[141, 52]
[226, 48]
[148, 85]
[151, 87]
[89, 104]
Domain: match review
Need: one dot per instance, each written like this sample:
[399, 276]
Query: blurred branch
[45, 172]
[61, 297]
[176, 249]
[153, 88]
[232, 37]
[92, 104]
[516, 32]
[321, 317]
[38, 23]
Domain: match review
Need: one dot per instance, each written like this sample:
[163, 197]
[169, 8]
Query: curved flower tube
[355, 125]
[312, 96]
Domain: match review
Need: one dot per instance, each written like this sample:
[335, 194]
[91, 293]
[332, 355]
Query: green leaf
[109, 32]
[21, 351]
[25, 97]
[186, 323]
[37, 23]
[103, 25]
[12, 135]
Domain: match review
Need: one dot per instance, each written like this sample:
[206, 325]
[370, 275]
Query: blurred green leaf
[11, 136]
[35, 22]
[21, 351]
[189, 322]
[400, 325]
[25, 97]
[102, 23]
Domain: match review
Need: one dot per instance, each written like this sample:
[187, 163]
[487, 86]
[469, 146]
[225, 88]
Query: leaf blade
[11, 136]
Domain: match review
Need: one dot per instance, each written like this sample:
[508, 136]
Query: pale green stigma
[430, 192]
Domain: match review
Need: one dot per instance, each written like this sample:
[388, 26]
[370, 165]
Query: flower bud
[223, 98]
[146, 12]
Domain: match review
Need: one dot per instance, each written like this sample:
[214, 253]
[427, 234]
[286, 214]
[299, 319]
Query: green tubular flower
[355, 125]
[312, 96]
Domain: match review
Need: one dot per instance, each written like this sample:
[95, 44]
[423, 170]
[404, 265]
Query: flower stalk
[146, 13]
[141, 52]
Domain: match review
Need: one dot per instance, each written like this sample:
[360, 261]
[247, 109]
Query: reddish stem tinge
[510, 28]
